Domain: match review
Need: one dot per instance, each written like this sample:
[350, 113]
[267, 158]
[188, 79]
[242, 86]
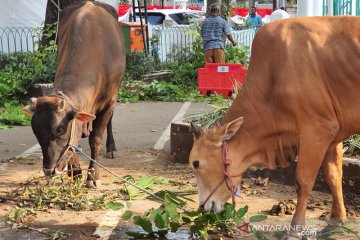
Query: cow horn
[29, 110]
[62, 105]
[33, 102]
[196, 130]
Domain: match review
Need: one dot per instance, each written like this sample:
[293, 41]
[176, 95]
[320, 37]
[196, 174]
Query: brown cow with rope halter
[300, 99]
[91, 65]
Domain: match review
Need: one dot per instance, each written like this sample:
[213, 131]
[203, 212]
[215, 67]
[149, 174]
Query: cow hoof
[111, 154]
[98, 183]
[336, 222]
[90, 184]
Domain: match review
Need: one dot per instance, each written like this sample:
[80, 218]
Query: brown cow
[300, 99]
[91, 65]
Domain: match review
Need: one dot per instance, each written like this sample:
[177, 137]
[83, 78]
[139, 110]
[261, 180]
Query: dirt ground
[258, 195]
[135, 136]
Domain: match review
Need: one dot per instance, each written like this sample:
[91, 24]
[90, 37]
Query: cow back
[91, 54]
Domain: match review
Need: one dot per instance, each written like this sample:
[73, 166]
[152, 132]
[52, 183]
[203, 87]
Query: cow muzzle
[213, 206]
[54, 171]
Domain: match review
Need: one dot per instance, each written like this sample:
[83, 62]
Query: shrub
[137, 64]
[238, 54]
[20, 70]
[11, 114]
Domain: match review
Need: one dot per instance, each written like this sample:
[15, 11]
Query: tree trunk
[51, 17]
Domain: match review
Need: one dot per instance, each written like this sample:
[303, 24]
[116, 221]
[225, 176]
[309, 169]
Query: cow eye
[196, 164]
[60, 131]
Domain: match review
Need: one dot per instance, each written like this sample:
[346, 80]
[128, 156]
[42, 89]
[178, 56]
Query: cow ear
[29, 110]
[232, 128]
[197, 131]
[84, 117]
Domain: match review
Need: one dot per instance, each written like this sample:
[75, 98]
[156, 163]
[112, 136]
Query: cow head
[206, 159]
[52, 119]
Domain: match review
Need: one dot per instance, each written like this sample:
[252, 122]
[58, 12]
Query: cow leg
[332, 167]
[311, 153]
[95, 140]
[74, 168]
[110, 142]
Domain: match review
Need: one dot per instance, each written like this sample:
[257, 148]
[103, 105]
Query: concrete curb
[351, 176]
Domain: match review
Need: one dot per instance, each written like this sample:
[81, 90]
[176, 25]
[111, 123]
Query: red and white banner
[237, 13]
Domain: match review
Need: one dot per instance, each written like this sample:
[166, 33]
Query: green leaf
[174, 226]
[145, 224]
[193, 213]
[229, 210]
[135, 235]
[133, 192]
[162, 233]
[154, 213]
[195, 229]
[127, 215]
[114, 205]
[165, 217]
[186, 219]
[159, 221]
[257, 218]
[171, 209]
[242, 211]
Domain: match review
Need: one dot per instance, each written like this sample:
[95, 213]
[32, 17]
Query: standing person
[254, 19]
[213, 32]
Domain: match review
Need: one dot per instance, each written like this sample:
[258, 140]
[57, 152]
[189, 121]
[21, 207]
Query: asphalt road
[137, 125]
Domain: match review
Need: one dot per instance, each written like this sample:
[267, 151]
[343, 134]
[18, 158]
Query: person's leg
[209, 56]
[219, 55]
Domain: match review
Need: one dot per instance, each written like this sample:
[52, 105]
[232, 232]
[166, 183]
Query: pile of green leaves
[62, 192]
[208, 119]
[133, 91]
[166, 218]
[352, 145]
[19, 215]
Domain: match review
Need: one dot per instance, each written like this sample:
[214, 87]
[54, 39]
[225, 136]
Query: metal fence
[19, 39]
[341, 7]
[169, 39]
[173, 39]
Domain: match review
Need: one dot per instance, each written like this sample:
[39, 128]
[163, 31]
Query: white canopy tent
[21, 22]
[27, 13]
[22, 13]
